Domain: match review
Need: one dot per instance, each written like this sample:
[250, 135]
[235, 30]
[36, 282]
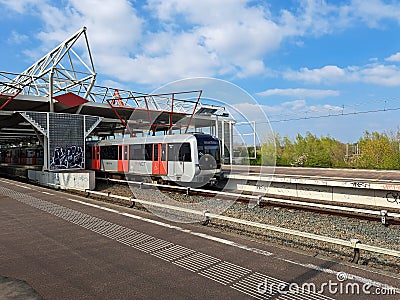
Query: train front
[208, 167]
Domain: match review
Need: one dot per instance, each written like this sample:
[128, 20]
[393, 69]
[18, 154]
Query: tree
[378, 151]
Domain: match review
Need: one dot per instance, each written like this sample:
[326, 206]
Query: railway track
[338, 209]
[302, 228]
[313, 231]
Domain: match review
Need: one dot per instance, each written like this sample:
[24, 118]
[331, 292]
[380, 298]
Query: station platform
[372, 188]
[65, 247]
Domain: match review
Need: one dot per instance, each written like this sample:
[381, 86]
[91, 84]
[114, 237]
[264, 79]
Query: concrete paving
[66, 249]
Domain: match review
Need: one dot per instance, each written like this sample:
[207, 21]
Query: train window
[119, 152]
[179, 152]
[125, 152]
[173, 152]
[109, 152]
[208, 145]
[136, 152]
[155, 152]
[88, 153]
[163, 152]
[185, 153]
[148, 149]
[30, 153]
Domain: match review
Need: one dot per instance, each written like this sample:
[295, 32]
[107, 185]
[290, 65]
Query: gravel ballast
[366, 231]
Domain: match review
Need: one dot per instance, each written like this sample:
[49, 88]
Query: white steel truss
[63, 70]
[58, 71]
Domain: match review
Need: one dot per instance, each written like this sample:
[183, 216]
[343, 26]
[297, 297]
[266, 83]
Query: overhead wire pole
[254, 140]
[252, 125]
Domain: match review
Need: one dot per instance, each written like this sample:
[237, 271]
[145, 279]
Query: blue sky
[298, 59]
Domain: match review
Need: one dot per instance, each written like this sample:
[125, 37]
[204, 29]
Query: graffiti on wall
[363, 185]
[69, 158]
[393, 197]
[392, 187]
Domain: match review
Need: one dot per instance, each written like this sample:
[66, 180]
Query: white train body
[186, 158]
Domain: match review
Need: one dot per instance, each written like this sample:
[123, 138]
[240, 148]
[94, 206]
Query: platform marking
[46, 193]
[22, 186]
[135, 238]
[173, 253]
[153, 246]
[227, 242]
[205, 265]
[225, 272]
[197, 262]
[309, 266]
[257, 281]
[255, 250]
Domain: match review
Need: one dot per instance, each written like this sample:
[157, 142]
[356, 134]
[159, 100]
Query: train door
[123, 162]
[96, 157]
[24, 156]
[160, 162]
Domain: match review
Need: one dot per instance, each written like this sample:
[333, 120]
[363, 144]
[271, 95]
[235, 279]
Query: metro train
[183, 158]
[188, 159]
[30, 156]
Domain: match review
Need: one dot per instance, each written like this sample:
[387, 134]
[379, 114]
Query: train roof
[153, 139]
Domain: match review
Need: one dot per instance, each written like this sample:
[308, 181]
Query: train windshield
[207, 144]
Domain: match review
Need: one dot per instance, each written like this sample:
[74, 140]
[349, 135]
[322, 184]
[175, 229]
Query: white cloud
[160, 41]
[294, 105]
[17, 38]
[394, 57]
[173, 64]
[236, 35]
[325, 108]
[320, 17]
[372, 12]
[316, 17]
[299, 92]
[379, 74]
[255, 112]
[113, 25]
[218, 37]
[286, 110]
[20, 6]
[325, 74]
[300, 109]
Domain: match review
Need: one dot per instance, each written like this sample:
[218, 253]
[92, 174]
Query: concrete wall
[374, 197]
[82, 180]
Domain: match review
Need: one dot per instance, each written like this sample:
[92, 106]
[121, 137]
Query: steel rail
[352, 243]
[259, 198]
[355, 244]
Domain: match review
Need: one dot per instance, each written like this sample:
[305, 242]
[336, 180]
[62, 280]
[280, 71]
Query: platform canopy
[64, 81]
